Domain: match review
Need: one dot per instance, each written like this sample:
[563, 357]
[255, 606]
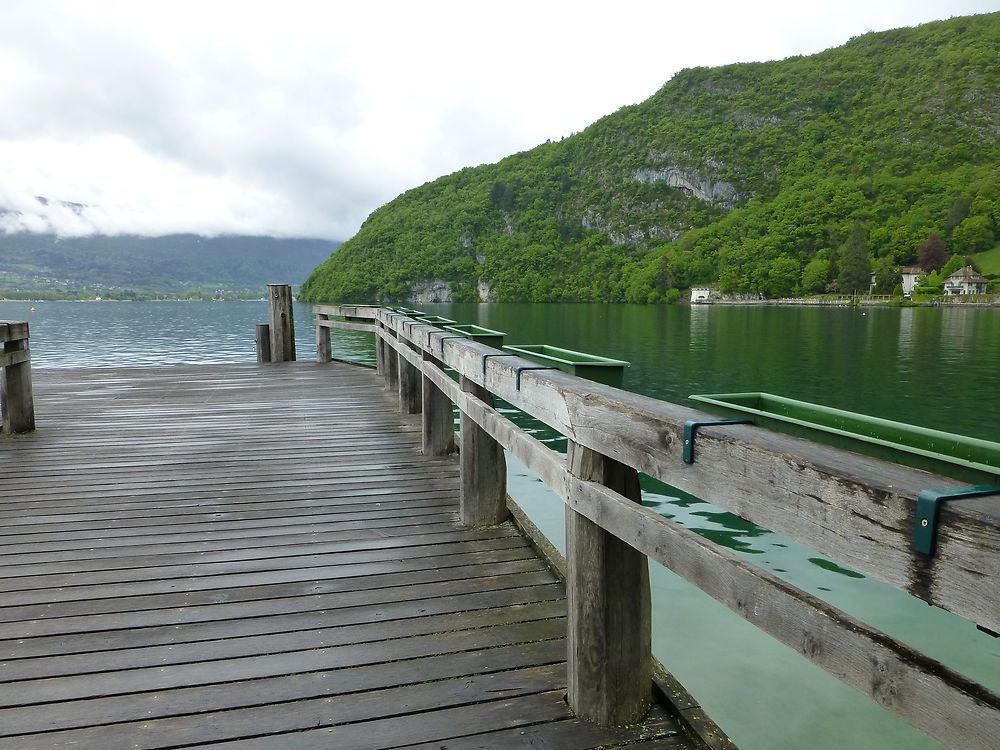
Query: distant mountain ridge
[753, 177]
[131, 266]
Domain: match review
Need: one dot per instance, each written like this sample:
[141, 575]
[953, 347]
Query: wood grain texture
[323, 349]
[484, 469]
[282, 322]
[260, 555]
[607, 587]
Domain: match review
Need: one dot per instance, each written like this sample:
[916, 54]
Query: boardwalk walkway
[249, 556]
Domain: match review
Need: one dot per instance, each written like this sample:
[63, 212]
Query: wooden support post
[483, 466]
[263, 342]
[17, 403]
[279, 307]
[391, 366]
[409, 387]
[438, 422]
[323, 350]
[607, 585]
[379, 350]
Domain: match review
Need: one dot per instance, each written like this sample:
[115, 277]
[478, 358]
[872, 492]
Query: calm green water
[935, 367]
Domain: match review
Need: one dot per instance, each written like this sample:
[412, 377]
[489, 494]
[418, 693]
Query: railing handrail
[855, 509]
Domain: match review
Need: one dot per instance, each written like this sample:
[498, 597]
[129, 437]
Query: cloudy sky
[299, 118]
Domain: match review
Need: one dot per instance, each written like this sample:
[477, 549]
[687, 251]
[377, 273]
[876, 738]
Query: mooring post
[607, 586]
[279, 297]
[263, 342]
[437, 421]
[483, 468]
[409, 386]
[323, 349]
[17, 404]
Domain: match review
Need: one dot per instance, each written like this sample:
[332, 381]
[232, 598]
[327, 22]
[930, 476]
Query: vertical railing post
[607, 585]
[323, 348]
[409, 386]
[17, 403]
[391, 364]
[437, 421]
[263, 342]
[483, 468]
[379, 349]
[279, 298]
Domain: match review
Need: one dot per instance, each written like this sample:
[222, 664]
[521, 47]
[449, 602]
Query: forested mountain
[40, 265]
[754, 176]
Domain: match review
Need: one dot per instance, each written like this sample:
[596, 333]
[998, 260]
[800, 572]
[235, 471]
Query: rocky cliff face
[431, 290]
[721, 193]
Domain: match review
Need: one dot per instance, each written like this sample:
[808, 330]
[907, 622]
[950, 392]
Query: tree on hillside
[816, 275]
[887, 276]
[932, 254]
[855, 267]
[973, 235]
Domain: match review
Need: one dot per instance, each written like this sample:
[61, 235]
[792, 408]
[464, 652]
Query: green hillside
[752, 176]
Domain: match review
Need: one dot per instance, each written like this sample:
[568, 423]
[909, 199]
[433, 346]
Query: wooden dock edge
[669, 692]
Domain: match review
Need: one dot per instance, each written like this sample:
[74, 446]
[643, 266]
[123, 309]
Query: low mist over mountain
[128, 267]
[755, 177]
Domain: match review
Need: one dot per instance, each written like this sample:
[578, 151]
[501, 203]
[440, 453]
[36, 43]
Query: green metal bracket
[692, 425]
[445, 338]
[928, 504]
[519, 370]
[488, 356]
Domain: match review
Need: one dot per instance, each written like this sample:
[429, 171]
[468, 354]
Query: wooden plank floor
[239, 556]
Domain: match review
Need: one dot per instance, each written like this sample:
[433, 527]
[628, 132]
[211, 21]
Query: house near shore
[909, 275]
[965, 281]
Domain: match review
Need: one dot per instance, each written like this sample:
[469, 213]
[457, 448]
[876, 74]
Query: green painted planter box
[589, 366]
[897, 437]
[479, 334]
[435, 320]
[408, 311]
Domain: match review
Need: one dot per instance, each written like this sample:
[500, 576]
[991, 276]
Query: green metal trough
[771, 410]
[590, 366]
[478, 334]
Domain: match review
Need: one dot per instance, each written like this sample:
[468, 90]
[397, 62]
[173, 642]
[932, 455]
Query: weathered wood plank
[323, 350]
[162, 586]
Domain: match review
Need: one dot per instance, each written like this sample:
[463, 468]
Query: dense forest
[789, 177]
[34, 266]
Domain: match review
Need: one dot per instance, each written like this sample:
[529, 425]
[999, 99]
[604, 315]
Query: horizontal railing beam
[855, 509]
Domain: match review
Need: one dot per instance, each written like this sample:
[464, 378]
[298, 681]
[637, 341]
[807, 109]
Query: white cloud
[299, 118]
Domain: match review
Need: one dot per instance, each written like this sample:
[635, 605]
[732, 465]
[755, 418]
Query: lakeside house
[909, 275]
[965, 281]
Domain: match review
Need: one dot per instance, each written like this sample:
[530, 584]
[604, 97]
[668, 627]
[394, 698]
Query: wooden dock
[259, 556]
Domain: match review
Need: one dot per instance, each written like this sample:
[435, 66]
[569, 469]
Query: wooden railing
[855, 509]
[16, 401]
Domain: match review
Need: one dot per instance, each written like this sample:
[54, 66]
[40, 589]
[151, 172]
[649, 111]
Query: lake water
[935, 367]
